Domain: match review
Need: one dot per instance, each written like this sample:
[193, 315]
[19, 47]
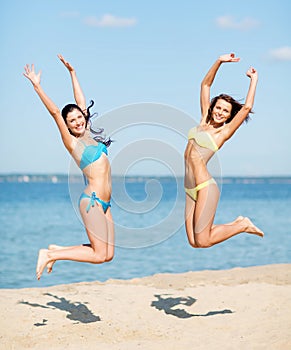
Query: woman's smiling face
[76, 122]
[221, 111]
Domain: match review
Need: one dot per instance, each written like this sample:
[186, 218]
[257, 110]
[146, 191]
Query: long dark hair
[236, 107]
[99, 133]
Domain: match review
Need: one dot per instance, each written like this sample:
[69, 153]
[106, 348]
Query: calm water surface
[35, 214]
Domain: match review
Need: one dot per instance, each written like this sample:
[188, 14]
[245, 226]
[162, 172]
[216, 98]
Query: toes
[50, 267]
[41, 262]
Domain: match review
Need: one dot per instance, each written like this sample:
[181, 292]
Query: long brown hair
[99, 137]
[236, 107]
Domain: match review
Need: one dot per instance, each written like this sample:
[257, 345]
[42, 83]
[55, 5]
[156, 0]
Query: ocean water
[150, 236]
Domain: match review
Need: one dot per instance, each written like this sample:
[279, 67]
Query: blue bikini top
[92, 153]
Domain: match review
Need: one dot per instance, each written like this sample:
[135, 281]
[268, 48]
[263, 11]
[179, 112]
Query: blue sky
[131, 52]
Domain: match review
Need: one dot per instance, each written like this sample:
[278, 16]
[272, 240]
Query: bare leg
[189, 217]
[200, 214]
[110, 240]
[100, 232]
[239, 218]
[53, 247]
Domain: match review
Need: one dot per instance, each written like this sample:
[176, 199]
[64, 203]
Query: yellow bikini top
[203, 139]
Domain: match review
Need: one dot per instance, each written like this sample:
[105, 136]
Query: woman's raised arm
[78, 92]
[243, 113]
[208, 80]
[34, 78]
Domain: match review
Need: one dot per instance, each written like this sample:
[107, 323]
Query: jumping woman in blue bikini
[221, 117]
[90, 154]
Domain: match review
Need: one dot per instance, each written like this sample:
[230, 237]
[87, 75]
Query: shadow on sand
[75, 311]
[168, 304]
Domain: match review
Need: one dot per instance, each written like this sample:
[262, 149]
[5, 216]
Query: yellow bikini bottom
[192, 192]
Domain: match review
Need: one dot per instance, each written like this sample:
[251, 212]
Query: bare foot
[41, 262]
[51, 263]
[251, 228]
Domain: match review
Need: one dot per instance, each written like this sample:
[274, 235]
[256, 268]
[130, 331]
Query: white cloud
[229, 22]
[109, 20]
[281, 53]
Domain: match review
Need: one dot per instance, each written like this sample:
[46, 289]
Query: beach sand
[241, 308]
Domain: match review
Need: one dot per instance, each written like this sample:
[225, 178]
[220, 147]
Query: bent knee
[102, 258]
[109, 258]
[193, 244]
[197, 244]
[202, 242]
[192, 237]
[99, 258]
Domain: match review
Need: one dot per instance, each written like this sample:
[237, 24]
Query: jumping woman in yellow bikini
[90, 154]
[221, 117]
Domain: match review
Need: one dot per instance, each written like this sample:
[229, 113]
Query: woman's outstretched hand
[252, 73]
[66, 63]
[30, 74]
[229, 57]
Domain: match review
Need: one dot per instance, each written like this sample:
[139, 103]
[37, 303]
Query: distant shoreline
[78, 178]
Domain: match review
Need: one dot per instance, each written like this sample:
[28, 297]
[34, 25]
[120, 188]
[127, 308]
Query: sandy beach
[241, 308]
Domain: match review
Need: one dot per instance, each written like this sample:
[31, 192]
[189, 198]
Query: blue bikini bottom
[93, 199]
